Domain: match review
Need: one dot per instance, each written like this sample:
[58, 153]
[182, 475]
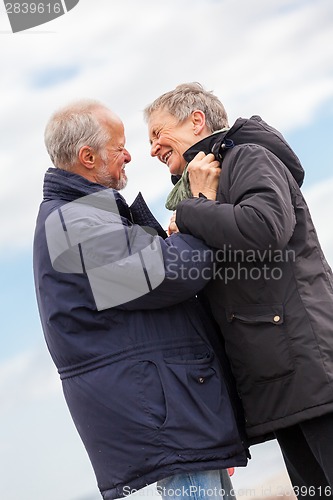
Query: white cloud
[269, 58]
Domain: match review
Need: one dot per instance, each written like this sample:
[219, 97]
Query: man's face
[111, 162]
[170, 138]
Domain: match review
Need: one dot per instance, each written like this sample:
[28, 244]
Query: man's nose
[127, 156]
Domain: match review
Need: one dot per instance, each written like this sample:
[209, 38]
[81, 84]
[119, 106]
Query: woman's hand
[204, 173]
[172, 225]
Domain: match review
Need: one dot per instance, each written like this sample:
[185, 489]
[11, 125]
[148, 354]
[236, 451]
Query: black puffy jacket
[272, 291]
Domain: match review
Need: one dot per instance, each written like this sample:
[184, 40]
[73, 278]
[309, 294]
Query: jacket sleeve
[185, 268]
[258, 213]
[127, 266]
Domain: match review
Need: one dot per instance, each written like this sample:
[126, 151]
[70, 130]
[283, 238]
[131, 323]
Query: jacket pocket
[257, 343]
[196, 372]
[199, 412]
[151, 392]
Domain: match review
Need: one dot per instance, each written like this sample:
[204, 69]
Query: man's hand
[204, 173]
[172, 225]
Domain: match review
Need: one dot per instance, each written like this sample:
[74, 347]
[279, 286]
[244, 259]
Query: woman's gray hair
[185, 99]
[72, 127]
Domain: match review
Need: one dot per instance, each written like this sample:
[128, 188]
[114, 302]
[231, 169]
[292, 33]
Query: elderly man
[128, 337]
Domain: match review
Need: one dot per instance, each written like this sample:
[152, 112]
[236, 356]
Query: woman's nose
[154, 148]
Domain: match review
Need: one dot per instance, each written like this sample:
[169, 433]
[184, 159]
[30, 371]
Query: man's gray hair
[185, 99]
[72, 127]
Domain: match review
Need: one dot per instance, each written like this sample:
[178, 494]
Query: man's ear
[198, 121]
[87, 157]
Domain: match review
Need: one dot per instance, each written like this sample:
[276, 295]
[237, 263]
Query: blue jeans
[203, 485]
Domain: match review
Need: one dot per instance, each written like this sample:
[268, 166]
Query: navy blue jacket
[143, 386]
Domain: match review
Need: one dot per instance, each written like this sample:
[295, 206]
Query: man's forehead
[108, 116]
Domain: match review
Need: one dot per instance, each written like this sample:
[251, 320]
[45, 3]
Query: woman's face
[170, 138]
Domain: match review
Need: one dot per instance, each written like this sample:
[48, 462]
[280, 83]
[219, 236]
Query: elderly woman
[272, 295]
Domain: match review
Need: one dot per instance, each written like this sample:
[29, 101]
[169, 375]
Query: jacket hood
[250, 131]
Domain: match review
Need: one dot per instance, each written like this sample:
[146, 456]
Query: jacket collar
[63, 185]
[210, 144]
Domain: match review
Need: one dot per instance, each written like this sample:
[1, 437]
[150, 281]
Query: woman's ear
[87, 157]
[198, 121]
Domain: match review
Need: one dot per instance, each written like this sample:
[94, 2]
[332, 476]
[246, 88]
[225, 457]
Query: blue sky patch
[21, 328]
[314, 146]
[49, 77]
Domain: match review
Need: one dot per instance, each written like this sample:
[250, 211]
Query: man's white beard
[106, 179]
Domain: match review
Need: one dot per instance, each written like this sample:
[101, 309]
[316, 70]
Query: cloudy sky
[272, 58]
